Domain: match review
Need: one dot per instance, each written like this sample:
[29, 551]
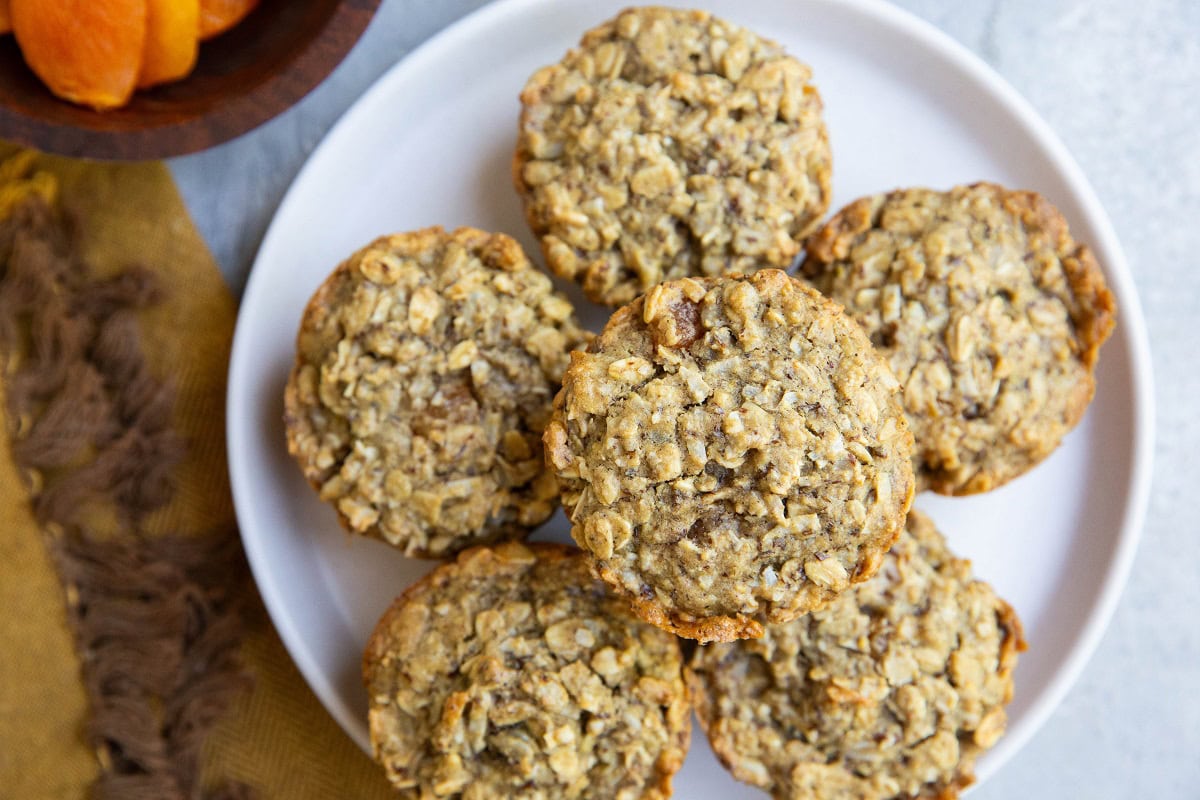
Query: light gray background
[1119, 80]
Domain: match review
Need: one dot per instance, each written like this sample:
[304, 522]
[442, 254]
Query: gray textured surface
[1120, 83]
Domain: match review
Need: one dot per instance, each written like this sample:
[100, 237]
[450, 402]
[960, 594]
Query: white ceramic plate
[431, 143]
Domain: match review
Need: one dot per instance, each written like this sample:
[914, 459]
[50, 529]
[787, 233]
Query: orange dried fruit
[5, 17]
[218, 16]
[85, 51]
[172, 41]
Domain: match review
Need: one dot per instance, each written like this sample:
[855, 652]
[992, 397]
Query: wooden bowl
[243, 78]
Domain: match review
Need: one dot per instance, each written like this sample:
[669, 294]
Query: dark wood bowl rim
[237, 114]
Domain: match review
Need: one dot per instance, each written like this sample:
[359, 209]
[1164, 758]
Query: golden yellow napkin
[136, 659]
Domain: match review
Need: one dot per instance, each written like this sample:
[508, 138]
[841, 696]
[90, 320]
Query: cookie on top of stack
[732, 452]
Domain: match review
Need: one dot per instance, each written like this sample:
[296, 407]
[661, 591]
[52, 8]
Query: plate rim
[1131, 328]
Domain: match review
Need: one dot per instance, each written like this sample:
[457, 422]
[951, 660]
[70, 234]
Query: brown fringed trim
[157, 620]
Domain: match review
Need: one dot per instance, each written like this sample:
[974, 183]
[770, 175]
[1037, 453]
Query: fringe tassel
[157, 620]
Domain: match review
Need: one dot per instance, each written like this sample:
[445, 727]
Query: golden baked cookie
[670, 143]
[426, 365]
[731, 452]
[989, 313]
[892, 691]
[512, 673]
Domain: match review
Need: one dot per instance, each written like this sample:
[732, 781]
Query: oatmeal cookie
[670, 144]
[426, 365]
[511, 672]
[989, 313]
[892, 691]
[731, 451]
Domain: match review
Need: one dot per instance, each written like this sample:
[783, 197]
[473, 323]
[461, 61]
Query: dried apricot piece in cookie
[732, 452]
[510, 672]
[426, 366]
[893, 690]
[987, 310]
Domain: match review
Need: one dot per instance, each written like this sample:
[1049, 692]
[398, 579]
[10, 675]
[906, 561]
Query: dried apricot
[5, 17]
[218, 16]
[86, 51]
[172, 41]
